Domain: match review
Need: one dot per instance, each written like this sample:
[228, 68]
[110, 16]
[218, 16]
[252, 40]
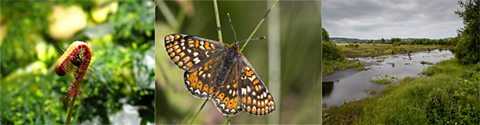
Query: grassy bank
[450, 94]
[367, 50]
[330, 66]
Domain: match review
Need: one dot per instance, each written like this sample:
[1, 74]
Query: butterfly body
[219, 72]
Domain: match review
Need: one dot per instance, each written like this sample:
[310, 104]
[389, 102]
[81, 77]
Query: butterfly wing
[254, 95]
[190, 52]
[226, 96]
[200, 82]
[202, 59]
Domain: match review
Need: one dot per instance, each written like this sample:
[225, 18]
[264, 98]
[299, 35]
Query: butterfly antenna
[255, 39]
[258, 25]
[231, 25]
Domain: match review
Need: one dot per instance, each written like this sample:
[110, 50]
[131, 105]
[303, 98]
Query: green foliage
[455, 104]
[389, 51]
[468, 48]
[426, 63]
[332, 52]
[367, 50]
[448, 96]
[133, 22]
[400, 41]
[325, 36]
[329, 50]
[330, 66]
[24, 24]
[353, 45]
[334, 58]
[382, 80]
[31, 92]
[396, 44]
[396, 41]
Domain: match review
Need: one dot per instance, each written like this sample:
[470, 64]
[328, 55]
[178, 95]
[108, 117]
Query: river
[350, 85]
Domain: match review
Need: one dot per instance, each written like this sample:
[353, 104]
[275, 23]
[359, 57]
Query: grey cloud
[391, 18]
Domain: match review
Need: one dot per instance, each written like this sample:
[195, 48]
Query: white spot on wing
[252, 78]
[247, 68]
[222, 105]
[196, 60]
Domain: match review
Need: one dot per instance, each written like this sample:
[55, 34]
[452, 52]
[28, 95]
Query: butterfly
[221, 73]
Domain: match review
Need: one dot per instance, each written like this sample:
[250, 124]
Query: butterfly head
[235, 46]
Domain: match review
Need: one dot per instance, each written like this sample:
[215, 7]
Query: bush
[457, 104]
[332, 52]
[466, 51]
[468, 48]
[396, 44]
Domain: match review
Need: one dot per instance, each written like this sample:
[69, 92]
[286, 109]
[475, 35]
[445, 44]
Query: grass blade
[258, 25]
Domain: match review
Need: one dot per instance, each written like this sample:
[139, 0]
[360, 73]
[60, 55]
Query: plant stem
[228, 121]
[198, 112]
[274, 60]
[167, 13]
[258, 25]
[217, 19]
[70, 110]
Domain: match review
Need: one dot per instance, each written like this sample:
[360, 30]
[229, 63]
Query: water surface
[350, 85]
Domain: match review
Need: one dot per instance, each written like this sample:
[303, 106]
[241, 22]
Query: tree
[330, 50]
[468, 47]
[325, 36]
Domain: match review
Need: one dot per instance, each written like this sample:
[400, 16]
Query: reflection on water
[349, 85]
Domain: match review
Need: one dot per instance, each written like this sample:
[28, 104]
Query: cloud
[374, 19]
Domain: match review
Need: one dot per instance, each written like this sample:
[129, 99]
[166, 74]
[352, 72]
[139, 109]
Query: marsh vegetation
[446, 91]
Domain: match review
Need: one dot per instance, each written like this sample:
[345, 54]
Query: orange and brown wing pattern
[226, 97]
[199, 82]
[254, 95]
[189, 52]
[219, 72]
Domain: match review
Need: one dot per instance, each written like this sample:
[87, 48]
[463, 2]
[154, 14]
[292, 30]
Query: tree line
[409, 41]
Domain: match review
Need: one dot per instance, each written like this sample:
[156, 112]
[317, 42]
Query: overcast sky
[374, 19]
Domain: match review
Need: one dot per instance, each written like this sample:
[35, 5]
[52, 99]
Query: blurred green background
[292, 28]
[119, 87]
